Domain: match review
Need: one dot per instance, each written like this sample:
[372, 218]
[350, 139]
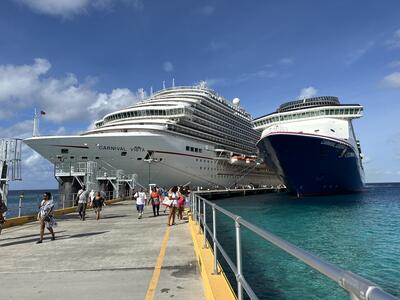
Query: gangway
[93, 175]
[10, 163]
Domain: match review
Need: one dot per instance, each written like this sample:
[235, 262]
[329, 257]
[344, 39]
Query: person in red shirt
[155, 201]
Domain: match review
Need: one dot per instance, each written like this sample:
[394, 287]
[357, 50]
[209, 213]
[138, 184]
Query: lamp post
[149, 161]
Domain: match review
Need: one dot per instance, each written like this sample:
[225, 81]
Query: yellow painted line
[157, 269]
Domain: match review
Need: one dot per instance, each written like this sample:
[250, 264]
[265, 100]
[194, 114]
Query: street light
[150, 160]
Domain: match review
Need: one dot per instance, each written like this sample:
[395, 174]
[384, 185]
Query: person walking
[140, 202]
[46, 218]
[173, 196]
[92, 194]
[181, 203]
[98, 203]
[82, 202]
[3, 209]
[155, 201]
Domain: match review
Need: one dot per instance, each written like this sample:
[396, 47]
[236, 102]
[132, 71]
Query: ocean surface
[30, 202]
[357, 232]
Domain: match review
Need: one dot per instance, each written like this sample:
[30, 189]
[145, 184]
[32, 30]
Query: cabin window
[139, 158]
[123, 153]
[84, 157]
[187, 148]
[64, 151]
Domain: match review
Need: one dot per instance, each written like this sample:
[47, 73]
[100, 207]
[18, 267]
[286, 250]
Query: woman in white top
[173, 195]
[45, 217]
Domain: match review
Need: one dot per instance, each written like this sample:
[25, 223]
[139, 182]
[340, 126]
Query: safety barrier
[356, 286]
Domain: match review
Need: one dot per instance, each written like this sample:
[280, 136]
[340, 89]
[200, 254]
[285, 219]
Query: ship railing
[356, 286]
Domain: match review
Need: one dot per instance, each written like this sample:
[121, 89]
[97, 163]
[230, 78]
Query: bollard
[238, 260]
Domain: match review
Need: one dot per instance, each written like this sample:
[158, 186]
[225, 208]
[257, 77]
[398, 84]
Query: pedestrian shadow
[113, 216]
[27, 236]
[87, 234]
[29, 241]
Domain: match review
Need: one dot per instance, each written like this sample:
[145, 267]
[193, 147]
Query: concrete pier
[117, 257]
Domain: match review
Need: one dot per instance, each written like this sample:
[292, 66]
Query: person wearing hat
[45, 217]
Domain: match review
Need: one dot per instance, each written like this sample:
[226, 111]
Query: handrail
[61, 200]
[358, 287]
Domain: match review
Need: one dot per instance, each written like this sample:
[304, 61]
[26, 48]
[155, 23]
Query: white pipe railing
[356, 286]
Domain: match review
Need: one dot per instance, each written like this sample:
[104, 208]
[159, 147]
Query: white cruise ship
[177, 136]
[312, 146]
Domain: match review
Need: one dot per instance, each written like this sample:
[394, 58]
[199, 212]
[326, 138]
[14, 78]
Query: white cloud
[168, 66]
[394, 64]
[394, 42]
[211, 82]
[392, 80]
[20, 130]
[207, 10]
[308, 92]
[357, 54]
[286, 61]
[68, 8]
[217, 45]
[106, 103]
[64, 99]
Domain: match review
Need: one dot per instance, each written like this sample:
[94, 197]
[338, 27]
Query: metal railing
[60, 201]
[356, 286]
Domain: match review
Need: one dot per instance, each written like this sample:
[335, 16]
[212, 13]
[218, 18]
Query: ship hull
[171, 163]
[313, 165]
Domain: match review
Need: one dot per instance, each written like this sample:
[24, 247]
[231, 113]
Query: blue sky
[78, 59]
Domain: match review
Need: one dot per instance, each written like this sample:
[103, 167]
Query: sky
[80, 59]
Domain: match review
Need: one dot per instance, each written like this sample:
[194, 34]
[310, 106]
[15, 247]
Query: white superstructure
[177, 136]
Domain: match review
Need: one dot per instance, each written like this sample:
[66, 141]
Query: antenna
[173, 82]
[141, 93]
[35, 124]
[163, 84]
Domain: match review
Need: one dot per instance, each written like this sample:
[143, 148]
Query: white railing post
[19, 206]
[215, 240]
[199, 216]
[204, 225]
[238, 261]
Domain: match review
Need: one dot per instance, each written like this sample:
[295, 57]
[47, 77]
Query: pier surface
[117, 257]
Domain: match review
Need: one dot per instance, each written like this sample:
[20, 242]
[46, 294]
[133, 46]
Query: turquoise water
[358, 232]
[30, 201]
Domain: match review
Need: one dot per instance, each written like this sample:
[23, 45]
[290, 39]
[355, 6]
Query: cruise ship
[176, 136]
[311, 144]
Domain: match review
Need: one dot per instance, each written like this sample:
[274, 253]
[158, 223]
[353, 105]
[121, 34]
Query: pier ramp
[117, 257]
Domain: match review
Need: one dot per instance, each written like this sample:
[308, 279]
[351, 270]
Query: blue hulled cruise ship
[312, 145]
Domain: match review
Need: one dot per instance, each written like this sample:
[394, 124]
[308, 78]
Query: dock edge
[216, 286]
